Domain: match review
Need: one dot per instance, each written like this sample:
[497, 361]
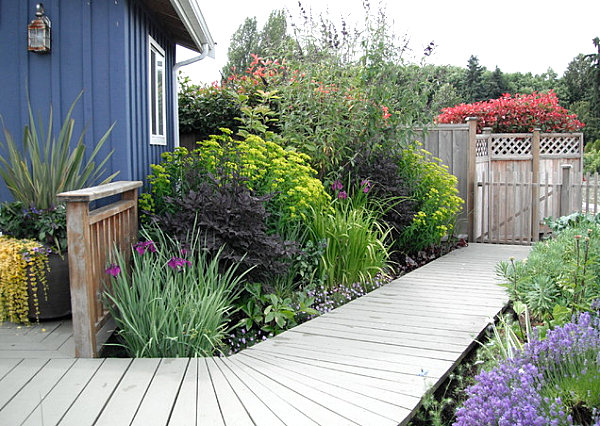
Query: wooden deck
[368, 362]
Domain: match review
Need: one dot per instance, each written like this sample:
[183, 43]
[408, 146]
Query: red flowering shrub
[515, 113]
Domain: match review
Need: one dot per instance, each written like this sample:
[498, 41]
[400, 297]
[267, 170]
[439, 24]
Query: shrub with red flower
[515, 113]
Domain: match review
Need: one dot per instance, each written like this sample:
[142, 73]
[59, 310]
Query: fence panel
[92, 235]
[450, 143]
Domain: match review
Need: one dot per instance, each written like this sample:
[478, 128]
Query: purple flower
[510, 393]
[113, 270]
[178, 263]
[366, 186]
[144, 246]
[336, 185]
[342, 195]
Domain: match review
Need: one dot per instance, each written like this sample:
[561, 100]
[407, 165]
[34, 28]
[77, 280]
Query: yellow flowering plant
[437, 202]
[266, 167]
[23, 264]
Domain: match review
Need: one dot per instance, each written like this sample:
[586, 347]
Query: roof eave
[193, 20]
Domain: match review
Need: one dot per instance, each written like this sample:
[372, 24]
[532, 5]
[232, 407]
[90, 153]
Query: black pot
[57, 304]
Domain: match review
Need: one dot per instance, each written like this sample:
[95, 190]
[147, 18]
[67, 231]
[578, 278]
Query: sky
[515, 35]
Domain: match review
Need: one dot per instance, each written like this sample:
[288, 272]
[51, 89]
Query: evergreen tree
[495, 84]
[473, 89]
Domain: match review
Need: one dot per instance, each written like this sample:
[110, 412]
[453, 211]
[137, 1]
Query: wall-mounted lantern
[38, 32]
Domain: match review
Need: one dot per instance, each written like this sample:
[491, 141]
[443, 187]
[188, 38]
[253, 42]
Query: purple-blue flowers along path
[368, 362]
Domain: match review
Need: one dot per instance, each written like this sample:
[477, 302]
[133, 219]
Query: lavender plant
[555, 381]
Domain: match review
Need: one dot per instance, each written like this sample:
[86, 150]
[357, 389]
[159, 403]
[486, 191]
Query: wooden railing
[91, 237]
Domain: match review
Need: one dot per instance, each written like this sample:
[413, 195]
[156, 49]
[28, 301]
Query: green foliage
[46, 226]
[560, 276]
[203, 110]
[46, 164]
[172, 309]
[574, 220]
[272, 313]
[591, 157]
[356, 249]
[435, 193]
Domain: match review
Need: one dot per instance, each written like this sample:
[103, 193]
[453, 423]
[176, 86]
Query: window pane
[153, 117]
[160, 98]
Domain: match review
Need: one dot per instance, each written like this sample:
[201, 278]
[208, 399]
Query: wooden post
[83, 298]
[564, 189]
[535, 187]
[471, 176]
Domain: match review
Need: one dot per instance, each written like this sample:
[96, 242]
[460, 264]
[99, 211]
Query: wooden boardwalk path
[368, 362]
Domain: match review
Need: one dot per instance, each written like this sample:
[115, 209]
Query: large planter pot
[57, 304]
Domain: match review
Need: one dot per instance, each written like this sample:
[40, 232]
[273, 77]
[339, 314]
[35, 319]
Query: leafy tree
[580, 89]
[575, 81]
[244, 41]
[272, 41]
[594, 119]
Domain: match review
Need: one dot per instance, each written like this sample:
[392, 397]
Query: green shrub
[356, 243]
[203, 110]
[266, 166]
[176, 303]
[436, 196]
[591, 161]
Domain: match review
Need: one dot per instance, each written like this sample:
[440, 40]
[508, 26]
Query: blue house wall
[100, 48]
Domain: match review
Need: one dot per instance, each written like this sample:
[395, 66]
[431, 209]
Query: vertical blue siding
[99, 47]
[141, 24]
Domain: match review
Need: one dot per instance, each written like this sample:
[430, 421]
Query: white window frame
[154, 109]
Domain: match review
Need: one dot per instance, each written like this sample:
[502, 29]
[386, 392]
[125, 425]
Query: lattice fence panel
[510, 145]
[482, 146]
[559, 145]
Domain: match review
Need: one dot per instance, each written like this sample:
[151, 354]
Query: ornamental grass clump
[23, 264]
[175, 302]
[555, 381]
[356, 246]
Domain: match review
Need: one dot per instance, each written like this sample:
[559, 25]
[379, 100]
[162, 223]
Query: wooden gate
[506, 211]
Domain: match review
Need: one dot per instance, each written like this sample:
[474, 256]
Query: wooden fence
[507, 212]
[500, 174]
[451, 144]
[91, 235]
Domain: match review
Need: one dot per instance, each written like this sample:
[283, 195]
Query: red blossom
[516, 113]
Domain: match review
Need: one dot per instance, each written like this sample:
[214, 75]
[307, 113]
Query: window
[157, 94]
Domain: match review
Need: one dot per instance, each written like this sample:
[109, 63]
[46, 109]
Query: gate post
[564, 189]
[535, 188]
[471, 176]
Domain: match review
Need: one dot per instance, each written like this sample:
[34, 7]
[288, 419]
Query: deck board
[60, 398]
[127, 397]
[27, 400]
[160, 397]
[367, 362]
